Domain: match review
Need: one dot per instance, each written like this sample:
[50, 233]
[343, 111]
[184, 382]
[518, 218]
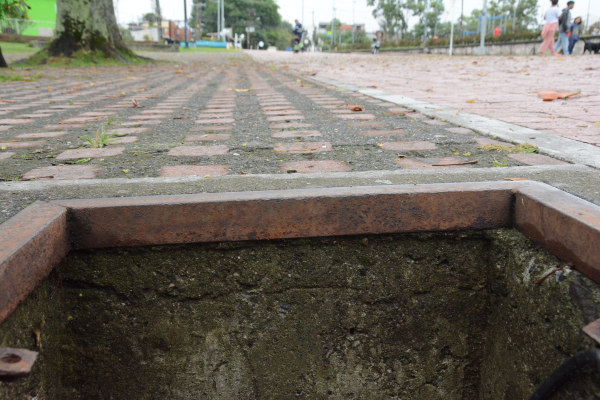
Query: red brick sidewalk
[499, 87]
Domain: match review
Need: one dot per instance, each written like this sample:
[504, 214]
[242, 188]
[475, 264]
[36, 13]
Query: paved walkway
[503, 88]
[224, 115]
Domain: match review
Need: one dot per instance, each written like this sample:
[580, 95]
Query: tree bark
[3, 63]
[89, 25]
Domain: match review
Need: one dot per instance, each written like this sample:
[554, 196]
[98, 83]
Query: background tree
[12, 9]
[89, 25]
[390, 15]
[150, 18]
[430, 17]
[263, 15]
[523, 12]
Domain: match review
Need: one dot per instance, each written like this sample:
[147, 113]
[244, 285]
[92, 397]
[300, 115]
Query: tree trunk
[3, 63]
[89, 25]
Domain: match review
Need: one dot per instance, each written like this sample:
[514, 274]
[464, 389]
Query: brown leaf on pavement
[516, 179]
[455, 163]
[549, 95]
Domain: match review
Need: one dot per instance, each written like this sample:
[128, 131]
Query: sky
[131, 10]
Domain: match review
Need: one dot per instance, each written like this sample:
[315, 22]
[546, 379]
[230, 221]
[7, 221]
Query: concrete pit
[401, 316]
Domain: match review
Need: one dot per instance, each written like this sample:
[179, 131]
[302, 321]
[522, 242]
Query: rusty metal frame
[38, 238]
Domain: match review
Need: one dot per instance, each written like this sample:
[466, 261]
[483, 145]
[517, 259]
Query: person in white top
[550, 27]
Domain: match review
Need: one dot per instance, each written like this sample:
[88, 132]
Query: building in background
[171, 32]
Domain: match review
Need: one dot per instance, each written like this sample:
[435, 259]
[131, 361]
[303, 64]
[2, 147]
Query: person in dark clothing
[575, 33]
[563, 28]
[298, 30]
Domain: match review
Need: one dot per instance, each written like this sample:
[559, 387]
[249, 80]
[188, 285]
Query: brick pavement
[503, 88]
[218, 116]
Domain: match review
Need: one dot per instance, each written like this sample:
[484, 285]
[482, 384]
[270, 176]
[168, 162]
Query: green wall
[43, 15]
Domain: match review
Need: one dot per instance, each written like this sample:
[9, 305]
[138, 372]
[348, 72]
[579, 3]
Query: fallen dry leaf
[356, 109]
[372, 86]
[550, 95]
[516, 179]
[455, 163]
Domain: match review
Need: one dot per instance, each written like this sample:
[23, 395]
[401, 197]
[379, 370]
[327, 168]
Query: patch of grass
[16, 78]
[101, 138]
[496, 163]
[15, 48]
[81, 58]
[524, 148]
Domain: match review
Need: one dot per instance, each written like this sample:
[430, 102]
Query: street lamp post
[587, 20]
[185, 28]
[219, 19]
[483, 29]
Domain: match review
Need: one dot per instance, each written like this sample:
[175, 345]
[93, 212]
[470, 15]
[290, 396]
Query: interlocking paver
[215, 121]
[22, 145]
[303, 147]
[210, 128]
[198, 151]
[312, 167]
[207, 137]
[536, 159]
[10, 121]
[290, 125]
[90, 153]
[397, 132]
[295, 134]
[6, 154]
[40, 135]
[65, 172]
[408, 146]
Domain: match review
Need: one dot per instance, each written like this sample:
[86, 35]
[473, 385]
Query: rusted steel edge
[32, 243]
[565, 225]
[155, 220]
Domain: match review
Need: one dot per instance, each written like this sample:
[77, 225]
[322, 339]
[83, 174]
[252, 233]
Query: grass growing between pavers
[17, 78]
[523, 148]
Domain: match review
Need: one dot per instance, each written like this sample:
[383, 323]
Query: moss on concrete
[428, 316]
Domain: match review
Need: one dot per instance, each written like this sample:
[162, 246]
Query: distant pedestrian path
[499, 87]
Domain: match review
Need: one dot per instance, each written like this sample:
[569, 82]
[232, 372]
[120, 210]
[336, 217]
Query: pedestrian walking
[563, 28]
[550, 27]
[298, 31]
[575, 32]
